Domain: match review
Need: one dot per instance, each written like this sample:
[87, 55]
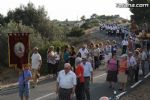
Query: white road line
[136, 84]
[122, 93]
[147, 75]
[40, 98]
[100, 75]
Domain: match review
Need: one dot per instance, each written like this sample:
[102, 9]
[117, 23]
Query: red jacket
[79, 72]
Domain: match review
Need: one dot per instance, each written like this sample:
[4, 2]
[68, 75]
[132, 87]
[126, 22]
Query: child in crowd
[24, 84]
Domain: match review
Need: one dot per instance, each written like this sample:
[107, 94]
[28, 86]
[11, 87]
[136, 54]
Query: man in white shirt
[131, 65]
[124, 46]
[36, 62]
[66, 82]
[84, 52]
[96, 54]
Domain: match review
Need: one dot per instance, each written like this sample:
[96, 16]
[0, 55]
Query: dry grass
[7, 76]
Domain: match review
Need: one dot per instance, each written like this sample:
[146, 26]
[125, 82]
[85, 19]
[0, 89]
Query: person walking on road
[36, 62]
[112, 67]
[143, 59]
[24, 84]
[80, 95]
[51, 59]
[83, 51]
[96, 54]
[66, 82]
[66, 54]
[88, 75]
[72, 57]
[138, 60]
[124, 46]
[131, 66]
[122, 72]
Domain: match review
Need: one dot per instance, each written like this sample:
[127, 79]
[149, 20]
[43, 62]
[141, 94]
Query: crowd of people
[115, 30]
[121, 67]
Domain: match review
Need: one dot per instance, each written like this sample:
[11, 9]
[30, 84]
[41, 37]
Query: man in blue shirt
[88, 75]
[24, 84]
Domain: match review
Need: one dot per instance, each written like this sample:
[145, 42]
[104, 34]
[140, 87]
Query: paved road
[46, 89]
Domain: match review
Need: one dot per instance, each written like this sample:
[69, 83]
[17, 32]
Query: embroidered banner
[18, 49]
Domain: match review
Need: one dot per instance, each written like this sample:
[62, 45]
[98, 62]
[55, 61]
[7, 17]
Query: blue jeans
[24, 90]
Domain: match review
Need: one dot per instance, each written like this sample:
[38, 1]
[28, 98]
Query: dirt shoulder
[139, 93]
[8, 76]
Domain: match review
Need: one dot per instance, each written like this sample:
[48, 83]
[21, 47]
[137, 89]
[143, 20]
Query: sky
[70, 9]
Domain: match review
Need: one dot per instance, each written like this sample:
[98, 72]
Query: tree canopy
[140, 14]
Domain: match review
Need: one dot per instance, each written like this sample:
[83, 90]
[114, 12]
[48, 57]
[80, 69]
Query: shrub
[76, 32]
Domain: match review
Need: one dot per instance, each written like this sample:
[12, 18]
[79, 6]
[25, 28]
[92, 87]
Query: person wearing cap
[36, 62]
[122, 72]
[88, 76]
[66, 82]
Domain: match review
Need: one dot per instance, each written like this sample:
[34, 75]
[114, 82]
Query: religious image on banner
[18, 49]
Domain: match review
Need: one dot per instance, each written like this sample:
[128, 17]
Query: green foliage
[37, 19]
[57, 43]
[83, 18]
[140, 15]
[76, 32]
[1, 20]
[89, 23]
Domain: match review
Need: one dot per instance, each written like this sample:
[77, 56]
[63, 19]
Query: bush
[89, 23]
[76, 32]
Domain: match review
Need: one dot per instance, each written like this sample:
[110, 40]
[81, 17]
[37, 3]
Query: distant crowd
[115, 30]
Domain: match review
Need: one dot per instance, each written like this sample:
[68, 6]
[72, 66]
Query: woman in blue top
[66, 55]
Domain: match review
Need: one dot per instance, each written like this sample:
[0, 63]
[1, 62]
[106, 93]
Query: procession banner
[18, 49]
